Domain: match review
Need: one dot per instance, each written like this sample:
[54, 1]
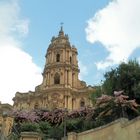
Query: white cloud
[9, 19]
[17, 70]
[83, 70]
[117, 27]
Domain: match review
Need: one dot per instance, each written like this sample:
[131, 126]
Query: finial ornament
[61, 26]
[61, 33]
[61, 23]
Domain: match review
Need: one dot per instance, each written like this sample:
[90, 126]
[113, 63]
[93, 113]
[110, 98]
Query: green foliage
[13, 136]
[44, 128]
[99, 122]
[30, 127]
[97, 93]
[110, 82]
[127, 77]
[79, 125]
[56, 132]
[74, 124]
[51, 131]
[88, 124]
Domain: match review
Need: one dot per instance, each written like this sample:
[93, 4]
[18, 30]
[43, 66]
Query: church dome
[62, 40]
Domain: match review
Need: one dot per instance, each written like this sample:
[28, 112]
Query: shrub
[30, 127]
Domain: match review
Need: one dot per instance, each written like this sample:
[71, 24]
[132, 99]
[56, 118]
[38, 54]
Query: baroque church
[61, 87]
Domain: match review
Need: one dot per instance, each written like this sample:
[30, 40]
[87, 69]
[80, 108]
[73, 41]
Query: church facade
[61, 87]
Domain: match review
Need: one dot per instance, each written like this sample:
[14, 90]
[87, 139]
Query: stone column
[73, 58]
[65, 100]
[63, 56]
[70, 77]
[49, 78]
[46, 79]
[76, 79]
[52, 56]
[67, 77]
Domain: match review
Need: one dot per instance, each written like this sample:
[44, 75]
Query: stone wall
[121, 129]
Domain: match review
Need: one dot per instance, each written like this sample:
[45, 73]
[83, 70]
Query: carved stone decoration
[56, 101]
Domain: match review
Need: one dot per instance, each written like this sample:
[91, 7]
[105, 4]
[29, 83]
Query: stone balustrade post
[72, 136]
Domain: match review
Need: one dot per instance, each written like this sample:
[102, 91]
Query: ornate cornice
[61, 64]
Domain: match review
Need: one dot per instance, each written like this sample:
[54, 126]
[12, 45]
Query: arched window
[58, 57]
[56, 78]
[82, 103]
[36, 106]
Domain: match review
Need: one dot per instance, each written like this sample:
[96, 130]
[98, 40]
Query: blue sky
[45, 18]
[105, 32]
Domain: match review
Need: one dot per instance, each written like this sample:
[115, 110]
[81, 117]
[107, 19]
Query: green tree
[125, 77]
[97, 93]
[110, 84]
[45, 128]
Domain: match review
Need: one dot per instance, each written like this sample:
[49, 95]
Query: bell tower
[61, 68]
[60, 87]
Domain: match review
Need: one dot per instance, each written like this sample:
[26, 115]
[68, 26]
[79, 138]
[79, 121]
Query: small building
[61, 87]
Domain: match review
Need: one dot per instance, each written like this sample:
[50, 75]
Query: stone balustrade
[30, 136]
[121, 129]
